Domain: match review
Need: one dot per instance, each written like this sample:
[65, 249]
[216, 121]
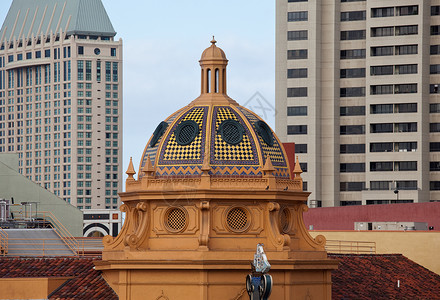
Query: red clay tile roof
[86, 284]
[376, 277]
[358, 277]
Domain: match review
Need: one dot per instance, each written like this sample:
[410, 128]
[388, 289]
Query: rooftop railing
[350, 247]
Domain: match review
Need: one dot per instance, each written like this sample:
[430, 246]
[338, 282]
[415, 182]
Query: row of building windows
[393, 127]
[393, 108]
[379, 147]
[357, 186]
[393, 70]
[38, 54]
[381, 12]
[394, 30]
[394, 50]
[361, 53]
[385, 89]
[379, 166]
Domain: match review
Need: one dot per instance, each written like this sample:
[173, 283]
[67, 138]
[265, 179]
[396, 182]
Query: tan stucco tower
[214, 181]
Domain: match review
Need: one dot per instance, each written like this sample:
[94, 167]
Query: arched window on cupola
[208, 81]
[216, 80]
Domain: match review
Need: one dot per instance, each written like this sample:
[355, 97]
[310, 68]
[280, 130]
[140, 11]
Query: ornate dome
[214, 134]
[213, 52]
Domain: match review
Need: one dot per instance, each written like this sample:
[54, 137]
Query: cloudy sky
[163, 41]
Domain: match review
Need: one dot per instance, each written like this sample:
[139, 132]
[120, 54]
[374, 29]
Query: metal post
[258, 283]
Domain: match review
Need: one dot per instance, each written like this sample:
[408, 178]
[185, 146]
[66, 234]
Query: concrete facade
[357, 90]
[61, 99]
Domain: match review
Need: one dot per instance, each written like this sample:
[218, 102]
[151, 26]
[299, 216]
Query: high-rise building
[357, 91]
[61, 98]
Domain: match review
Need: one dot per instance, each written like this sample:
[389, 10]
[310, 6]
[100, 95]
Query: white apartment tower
[61, 98]
[357, 90]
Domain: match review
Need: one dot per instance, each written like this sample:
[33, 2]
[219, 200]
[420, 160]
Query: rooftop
[390, 276]
[27, 18]
[85, 282]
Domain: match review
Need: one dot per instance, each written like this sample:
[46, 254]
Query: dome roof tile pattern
[245, 158]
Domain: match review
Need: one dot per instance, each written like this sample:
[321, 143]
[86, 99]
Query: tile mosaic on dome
[275, 152]
[223, 153]
[151, 151]
[172, 153]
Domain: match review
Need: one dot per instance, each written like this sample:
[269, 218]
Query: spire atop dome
[213, 41]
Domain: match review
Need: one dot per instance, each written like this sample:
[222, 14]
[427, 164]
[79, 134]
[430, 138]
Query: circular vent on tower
[237, 219]
[158, 132]
[265, 132]
[176, 219]
[186, 132]
[285, 217]
[231, 131]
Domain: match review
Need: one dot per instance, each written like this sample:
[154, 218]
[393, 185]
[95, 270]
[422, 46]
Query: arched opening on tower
[216, 80]
[208, 81]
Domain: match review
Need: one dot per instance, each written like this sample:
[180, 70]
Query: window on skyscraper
[353, 35]
[297, 35]
[297, 111]
[382, 51]
[381, 89]
[405, 108]
[434, 127]
[382, 31]
[351, 148]
[434, 166]
[297, 16]
[352, 73]
[434, 185]
[410, 10]
[297, 73]
[435, 10]
[435, 30]
[297, 54]
[297, 92]
[381, 109]
[352, 186]
[352, 129]
[353, 54]
[352, 167]
[405, 69]
[381, 128]
[381, 70]
[405, 127]
[408, 88]
[352, 92]
[352, 111]
[381, 166]
[300, 148]
[380, 12]
[353, 15]
[407, 30]
[297, 129]
[405, 166]
[406, 49]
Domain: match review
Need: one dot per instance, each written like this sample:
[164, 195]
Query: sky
[162, 44]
